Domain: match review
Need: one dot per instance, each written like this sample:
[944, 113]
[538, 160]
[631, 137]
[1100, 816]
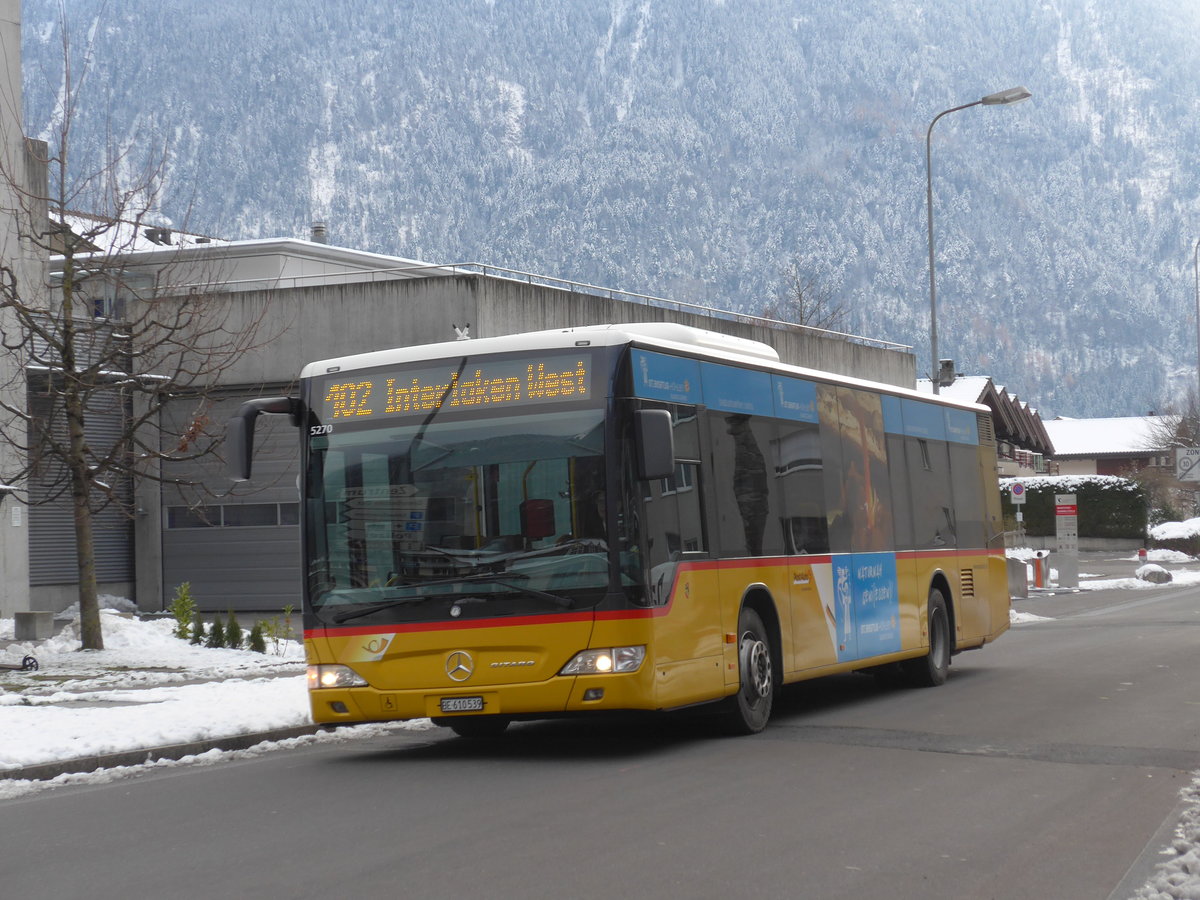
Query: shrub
[1182, 536]
[197, 628]
[257, 642]
[233, 632]
[278, 631]
[183, 609]
[216, 637]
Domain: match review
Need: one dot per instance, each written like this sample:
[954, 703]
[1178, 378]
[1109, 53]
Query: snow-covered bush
[1182, 536]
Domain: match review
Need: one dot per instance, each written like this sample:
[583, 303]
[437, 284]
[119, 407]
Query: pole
[1000, 98]
[934, 362]
[1196, 263]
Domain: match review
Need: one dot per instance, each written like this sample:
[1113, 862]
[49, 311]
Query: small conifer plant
[257, 641]
[233, 632]
[183, 609]
[216, 636]
[197, 628]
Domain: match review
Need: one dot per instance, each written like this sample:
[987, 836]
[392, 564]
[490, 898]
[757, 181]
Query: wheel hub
[756, 663]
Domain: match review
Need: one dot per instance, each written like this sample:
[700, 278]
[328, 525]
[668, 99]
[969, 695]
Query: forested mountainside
[693, 148]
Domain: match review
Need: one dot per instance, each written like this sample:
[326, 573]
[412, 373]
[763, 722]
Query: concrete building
[238, 546]
[21, 181]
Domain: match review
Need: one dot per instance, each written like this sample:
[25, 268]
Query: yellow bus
[627, 517]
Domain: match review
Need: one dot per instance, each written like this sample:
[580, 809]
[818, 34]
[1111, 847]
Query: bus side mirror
[655, 439]
[239, 431]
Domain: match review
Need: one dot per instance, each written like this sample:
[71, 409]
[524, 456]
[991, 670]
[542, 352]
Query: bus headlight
[616, 660]
[334, 677]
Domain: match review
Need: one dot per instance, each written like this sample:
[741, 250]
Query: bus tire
[751, 706]
[477, 727]
[931, 669]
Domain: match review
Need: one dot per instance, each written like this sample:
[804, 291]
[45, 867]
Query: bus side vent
[987, 433]
[966, 582]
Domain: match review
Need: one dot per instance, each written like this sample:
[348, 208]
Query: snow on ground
[1179, 578]
[146, 689]
[149, 647]
[1024, 618]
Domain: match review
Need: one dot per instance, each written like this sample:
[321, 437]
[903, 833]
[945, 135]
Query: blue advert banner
[657, 376]
[868, 605]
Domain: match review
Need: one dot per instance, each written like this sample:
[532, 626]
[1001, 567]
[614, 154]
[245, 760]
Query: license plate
[462, 704]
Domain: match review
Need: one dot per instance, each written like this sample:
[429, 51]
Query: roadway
[1049, 765]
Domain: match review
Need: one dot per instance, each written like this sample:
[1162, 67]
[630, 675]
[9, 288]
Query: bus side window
[746, 491]
[799, 472]
[929, 477]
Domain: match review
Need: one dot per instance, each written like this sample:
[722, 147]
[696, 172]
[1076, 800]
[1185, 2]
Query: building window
[233, 515]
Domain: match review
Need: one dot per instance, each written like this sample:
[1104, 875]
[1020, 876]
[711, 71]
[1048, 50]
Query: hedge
[1109, 507]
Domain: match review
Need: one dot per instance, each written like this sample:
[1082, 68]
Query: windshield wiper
[506, 580]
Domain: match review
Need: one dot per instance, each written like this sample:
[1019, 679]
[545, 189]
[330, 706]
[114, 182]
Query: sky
[148, 688]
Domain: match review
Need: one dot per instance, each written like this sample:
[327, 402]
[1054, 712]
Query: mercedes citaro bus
[627, 517]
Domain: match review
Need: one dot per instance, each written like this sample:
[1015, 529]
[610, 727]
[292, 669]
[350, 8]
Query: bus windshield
[435, 521]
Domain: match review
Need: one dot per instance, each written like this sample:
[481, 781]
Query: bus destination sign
[473, 384]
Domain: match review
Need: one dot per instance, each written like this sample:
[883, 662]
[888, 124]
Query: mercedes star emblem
[459, 665]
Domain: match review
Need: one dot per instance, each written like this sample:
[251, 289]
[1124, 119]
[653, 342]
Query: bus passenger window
[745, 492]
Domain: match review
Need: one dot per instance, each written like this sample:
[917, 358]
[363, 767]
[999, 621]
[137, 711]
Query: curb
[82, 764]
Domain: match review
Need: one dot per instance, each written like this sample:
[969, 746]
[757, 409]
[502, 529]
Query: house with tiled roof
[1122, 445]
[1127, 446]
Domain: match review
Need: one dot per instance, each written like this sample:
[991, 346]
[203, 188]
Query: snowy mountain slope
[690, 148]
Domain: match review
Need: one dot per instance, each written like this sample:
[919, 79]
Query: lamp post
[1001, 98]
[1196, 263]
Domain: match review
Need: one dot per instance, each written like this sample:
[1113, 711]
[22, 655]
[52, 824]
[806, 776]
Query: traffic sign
[1187, 463]
[1016, 493]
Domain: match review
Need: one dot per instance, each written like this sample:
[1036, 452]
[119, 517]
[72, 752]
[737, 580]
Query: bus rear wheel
[931, 669]
[751, 707]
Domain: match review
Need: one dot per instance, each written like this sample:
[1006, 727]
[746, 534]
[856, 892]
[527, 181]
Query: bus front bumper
[562, 694]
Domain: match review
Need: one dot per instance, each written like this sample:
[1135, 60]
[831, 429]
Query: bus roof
[666, 336]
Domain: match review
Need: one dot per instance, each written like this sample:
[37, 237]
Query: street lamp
[1001, 98]
[1196, 263]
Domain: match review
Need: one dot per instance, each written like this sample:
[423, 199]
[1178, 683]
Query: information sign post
[1066, 522]
[1016, 496]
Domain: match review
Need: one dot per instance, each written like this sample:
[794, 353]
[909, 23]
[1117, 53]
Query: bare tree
[804, 300]
[101, 340]
[1178, 425]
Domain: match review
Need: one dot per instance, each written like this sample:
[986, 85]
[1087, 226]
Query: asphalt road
[1048, 766]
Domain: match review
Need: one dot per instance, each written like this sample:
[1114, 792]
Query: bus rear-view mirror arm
[655, 439]
[239, 431]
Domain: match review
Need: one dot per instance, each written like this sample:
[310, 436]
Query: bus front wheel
[931, 669]
[477, 727]
[751, 707]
